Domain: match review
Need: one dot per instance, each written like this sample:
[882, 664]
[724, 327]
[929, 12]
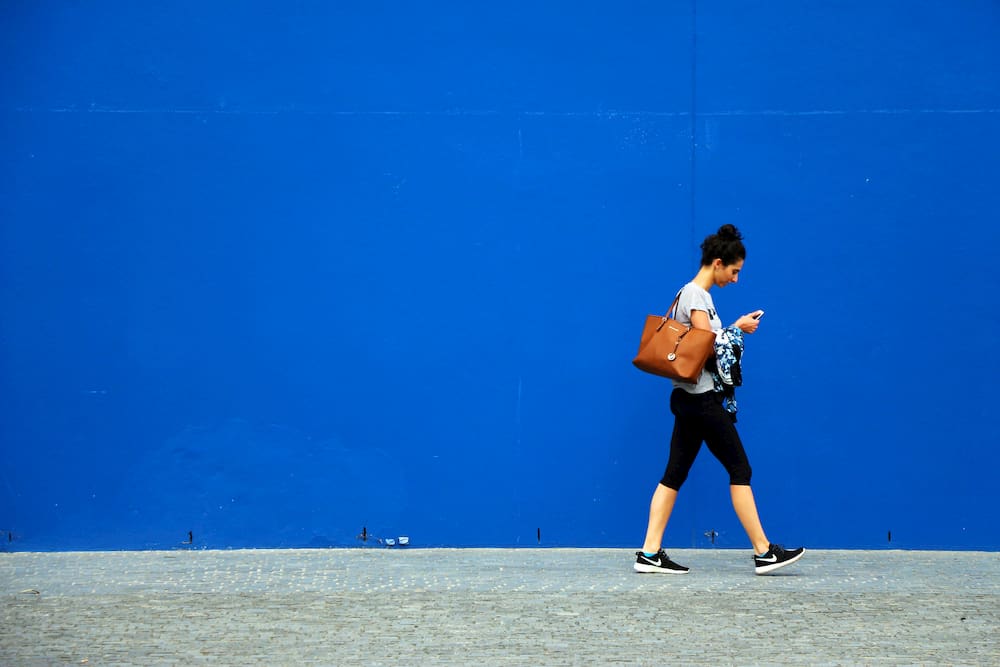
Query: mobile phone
[759, 315]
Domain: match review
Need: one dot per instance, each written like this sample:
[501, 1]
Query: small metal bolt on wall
[8, 541]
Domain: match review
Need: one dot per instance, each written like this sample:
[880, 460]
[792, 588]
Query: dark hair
[725, 244]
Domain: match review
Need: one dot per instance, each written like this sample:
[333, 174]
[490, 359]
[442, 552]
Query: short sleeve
[692, 298]
[699, 300]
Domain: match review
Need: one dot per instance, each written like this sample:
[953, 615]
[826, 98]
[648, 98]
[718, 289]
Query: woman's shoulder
[695, 290]
[695, 286]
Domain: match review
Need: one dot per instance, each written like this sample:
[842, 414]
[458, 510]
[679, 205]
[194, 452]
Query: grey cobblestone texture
[496, 607]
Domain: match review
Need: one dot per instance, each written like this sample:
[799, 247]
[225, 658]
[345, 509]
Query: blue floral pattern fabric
[727, 374]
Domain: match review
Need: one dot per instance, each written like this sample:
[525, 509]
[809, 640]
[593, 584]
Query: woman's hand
[748, 323]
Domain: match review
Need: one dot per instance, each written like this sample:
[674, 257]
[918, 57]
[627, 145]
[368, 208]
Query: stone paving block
[495, 607]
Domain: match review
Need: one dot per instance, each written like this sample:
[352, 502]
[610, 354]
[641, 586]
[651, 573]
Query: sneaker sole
[776, 566]
[652, 569]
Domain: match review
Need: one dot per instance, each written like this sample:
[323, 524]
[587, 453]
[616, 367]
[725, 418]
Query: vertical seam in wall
[694, 119]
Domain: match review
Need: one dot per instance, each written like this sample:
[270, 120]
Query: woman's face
[726, 274]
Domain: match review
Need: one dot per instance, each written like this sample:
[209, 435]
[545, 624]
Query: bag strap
[673, 306]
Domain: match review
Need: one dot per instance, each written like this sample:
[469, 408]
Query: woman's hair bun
[725, 244]
[729, 233]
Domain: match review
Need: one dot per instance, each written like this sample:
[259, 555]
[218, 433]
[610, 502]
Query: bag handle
[673, 308]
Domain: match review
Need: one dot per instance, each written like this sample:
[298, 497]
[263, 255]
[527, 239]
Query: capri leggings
[701, 418]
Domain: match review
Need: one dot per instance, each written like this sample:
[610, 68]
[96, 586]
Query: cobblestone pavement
[495, 607]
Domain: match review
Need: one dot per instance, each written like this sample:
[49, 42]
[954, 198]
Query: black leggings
[701, 418]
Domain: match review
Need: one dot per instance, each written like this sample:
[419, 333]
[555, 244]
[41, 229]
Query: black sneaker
[658, 563]
[775, 558]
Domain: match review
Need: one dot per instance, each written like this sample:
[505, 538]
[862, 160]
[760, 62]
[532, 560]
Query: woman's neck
[705, 278]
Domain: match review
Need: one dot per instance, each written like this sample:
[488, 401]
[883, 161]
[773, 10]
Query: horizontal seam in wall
[478, 112]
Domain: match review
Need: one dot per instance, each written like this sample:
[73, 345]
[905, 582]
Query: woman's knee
[673, 479]
[739, 475]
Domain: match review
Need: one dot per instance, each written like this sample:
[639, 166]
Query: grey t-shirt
[694, 297]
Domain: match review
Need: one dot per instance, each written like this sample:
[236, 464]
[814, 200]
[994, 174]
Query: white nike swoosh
[772, 559]
[651, 561]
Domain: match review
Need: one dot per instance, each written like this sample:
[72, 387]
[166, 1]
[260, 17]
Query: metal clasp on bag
[673, 355]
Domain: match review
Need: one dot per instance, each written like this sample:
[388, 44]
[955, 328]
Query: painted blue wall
[272, 273]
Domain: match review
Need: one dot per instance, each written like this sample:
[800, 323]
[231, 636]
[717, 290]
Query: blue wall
[274, 272]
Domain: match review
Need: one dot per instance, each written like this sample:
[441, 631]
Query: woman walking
[704, 412]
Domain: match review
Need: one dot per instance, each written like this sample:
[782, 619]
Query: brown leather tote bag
[672, 350]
